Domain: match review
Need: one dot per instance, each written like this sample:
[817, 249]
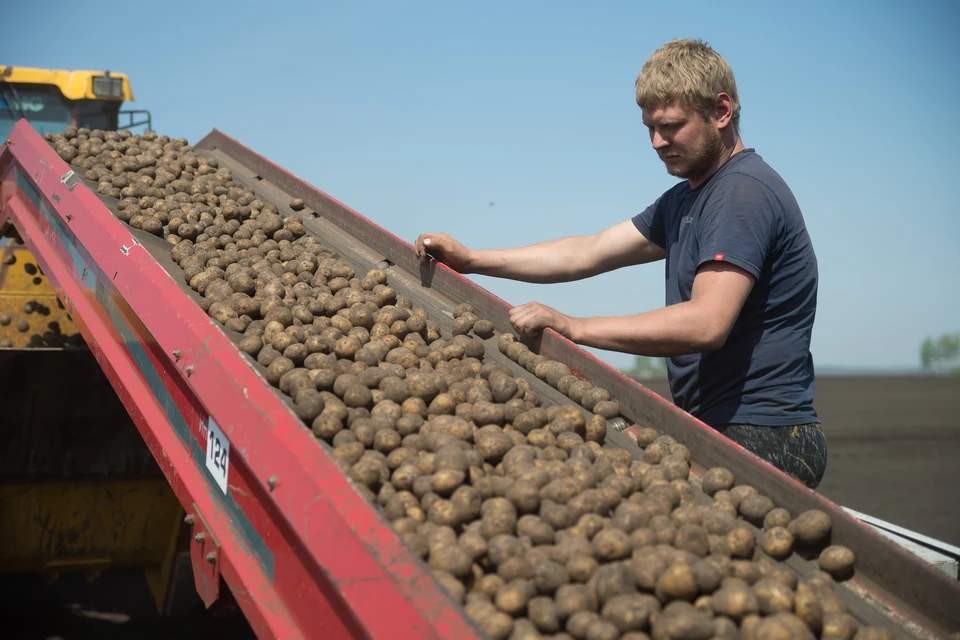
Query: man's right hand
[444, 249]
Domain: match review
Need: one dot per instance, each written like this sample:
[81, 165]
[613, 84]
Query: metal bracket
[205, 555]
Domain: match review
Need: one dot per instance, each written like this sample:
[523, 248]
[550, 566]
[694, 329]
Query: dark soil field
[894, 448]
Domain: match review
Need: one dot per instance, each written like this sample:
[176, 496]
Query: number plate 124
[218, 454]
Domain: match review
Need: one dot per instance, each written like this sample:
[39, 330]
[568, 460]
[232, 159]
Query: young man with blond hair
[741, 273]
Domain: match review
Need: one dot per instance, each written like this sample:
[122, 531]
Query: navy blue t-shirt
[746, 215]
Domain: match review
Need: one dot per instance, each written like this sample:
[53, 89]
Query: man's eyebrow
[667, 123]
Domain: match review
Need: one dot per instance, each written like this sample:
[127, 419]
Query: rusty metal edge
[918, 591]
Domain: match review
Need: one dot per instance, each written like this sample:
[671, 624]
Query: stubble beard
[701, 160]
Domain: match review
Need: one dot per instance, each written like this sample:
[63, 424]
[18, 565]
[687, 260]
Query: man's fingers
[425, 243]
[528, 319]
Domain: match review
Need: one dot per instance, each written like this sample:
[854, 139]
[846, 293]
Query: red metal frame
[910, 590]
[322, 559]
[307, 556]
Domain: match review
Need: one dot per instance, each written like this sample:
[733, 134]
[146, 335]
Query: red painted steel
[205, 553]
[338, 570]
[909, 588]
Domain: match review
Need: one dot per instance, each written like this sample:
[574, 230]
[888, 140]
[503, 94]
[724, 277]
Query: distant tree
[941, 354]
[647, 368]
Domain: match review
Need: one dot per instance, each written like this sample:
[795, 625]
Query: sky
[508, 123]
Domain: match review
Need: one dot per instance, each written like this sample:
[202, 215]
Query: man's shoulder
[748, 170]
[673, 198]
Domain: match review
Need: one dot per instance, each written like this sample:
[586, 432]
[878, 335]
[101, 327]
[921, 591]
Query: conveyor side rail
[899, 586]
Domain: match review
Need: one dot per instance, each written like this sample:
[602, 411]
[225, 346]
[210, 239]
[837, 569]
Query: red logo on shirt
[719, 256]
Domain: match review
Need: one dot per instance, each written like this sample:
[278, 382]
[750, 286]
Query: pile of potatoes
[523, 515]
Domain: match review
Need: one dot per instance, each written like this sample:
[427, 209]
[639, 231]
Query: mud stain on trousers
[798, 450]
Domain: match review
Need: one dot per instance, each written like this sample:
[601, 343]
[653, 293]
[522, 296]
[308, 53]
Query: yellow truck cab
[54, 99]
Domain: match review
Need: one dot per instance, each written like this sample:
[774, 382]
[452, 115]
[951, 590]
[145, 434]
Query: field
[894, 448]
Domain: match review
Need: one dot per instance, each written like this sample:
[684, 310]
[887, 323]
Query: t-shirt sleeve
[650, 224]
[739, 224]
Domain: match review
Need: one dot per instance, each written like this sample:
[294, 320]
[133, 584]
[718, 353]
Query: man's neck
[727, 151]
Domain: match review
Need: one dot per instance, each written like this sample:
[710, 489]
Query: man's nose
[659, 142]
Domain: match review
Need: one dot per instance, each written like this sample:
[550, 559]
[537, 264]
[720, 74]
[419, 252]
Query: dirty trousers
[799, 450]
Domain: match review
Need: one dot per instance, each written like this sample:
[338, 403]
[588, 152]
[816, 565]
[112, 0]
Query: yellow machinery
[52, 100]
[84, 510]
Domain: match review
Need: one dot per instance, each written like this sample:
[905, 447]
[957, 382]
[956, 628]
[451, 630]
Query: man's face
[686, 142]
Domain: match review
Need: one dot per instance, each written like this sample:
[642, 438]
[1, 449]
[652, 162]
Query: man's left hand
[532, 318]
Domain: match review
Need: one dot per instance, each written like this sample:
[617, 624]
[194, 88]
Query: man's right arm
[560, 260]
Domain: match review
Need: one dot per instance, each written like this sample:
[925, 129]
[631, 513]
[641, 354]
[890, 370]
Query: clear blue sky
[420, 114]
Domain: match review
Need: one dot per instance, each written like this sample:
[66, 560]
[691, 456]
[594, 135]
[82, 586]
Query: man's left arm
[699, 325]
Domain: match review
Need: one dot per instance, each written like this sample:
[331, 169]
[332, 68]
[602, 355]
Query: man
[741, 273]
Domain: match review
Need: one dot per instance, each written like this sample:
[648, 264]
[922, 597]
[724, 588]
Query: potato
[464, 324]
[513, 597]
[492, 445]
[278, 367]
[503, 388]
[776, 518]
[573, 598]
[839, 625]
[549, 576]
[593, 396]
[784, 626]
[555, 371]
[602, 630]
[612, 544]
[707, 576]
[595, 430]
[725, 629]
[692, 538]
[748, 627]
[542, 612]
[777, 542]
[326, 426]
[630, 612]
[495, 624]
[611, 580]
[483, 329]
[310, 406]
[580, 622]
[450, 558]
[754, 508]
[810, 527]
[463, 309]
[525, 496]
[741, 542]
[740, 492]
[485, 413]
[773, 596]
[499, 517]
[656, 452]
[838, 561]
[358, 395]
[780, 572]
[607, 408]
[807, 607]
[446, 481]
[578, 389]
[251, 345]
[514, 568]
[581, 567]
[677, 583]
[734, 602]
[683, 625]
[717, 479]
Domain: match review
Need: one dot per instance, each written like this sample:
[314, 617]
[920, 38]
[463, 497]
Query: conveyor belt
[301, 548]
[891, 585]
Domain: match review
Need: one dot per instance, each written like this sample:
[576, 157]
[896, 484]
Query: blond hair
[688, 73]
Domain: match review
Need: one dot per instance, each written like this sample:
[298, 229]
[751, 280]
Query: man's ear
[723, 110]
